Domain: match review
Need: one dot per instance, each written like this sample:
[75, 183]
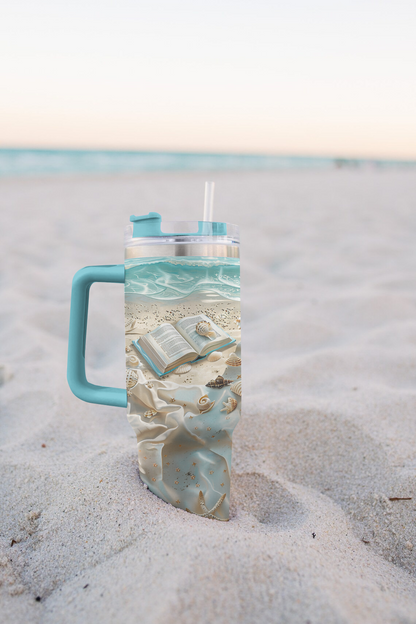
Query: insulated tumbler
[183, 355]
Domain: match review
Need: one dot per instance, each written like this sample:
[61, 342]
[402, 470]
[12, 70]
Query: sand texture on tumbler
[179, 311]
[322, 502]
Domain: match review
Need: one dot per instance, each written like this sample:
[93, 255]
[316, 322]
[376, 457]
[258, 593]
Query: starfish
[209, 513]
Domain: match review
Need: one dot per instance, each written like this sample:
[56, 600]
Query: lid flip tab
[149, 226]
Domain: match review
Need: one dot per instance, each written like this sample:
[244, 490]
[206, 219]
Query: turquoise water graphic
[171, 279]
[32, 162]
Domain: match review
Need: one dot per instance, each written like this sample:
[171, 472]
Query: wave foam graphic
[166, 279]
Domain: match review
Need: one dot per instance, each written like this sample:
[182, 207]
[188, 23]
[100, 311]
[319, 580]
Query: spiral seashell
[219, 382]
[184, 368]
[130, 326]
[132, 378]
[236, 387]
[203, 328]
[149, 413]
[132, 360]
[214, 356]
[233, 360]
[229, 405]
[204, 404]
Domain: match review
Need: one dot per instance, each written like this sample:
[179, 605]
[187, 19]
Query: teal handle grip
[77, 379]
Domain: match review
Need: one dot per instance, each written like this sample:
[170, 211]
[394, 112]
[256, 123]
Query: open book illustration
[170, 346]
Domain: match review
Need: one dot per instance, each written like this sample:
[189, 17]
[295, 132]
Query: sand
[328, 431]
[224, 313]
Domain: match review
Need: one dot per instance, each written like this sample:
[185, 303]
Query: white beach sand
[224, 313]
[328, 429]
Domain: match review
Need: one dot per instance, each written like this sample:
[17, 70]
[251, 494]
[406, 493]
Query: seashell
[214, 356]
[229, 405]
[150, 413]
[236, 387]
[233, 360]
[184, 368]
[132, 378]
[204, 404]
[132, 360]
[219, 382]
[130, 326]
[203, 328]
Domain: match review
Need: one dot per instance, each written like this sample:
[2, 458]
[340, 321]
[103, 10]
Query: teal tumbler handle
[77, 379]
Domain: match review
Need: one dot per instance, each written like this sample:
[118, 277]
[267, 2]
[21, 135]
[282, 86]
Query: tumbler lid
[150, 225]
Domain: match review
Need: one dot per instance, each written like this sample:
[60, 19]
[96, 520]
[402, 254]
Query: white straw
[209, 201]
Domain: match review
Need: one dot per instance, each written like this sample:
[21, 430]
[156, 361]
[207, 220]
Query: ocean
[39, 162]
[177, 278]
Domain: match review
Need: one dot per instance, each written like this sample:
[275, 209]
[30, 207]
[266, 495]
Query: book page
[200, 343]
[168, 344]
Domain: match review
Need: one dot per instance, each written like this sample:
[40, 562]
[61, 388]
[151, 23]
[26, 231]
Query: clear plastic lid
[150, 230]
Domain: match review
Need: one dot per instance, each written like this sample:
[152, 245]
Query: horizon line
[334, 157]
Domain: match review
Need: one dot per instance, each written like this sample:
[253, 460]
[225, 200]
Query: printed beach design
[183, 376]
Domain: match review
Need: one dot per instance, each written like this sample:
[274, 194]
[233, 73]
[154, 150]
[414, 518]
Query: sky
[296, 77]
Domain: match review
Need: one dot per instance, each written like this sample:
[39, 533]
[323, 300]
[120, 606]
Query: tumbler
[183, 355]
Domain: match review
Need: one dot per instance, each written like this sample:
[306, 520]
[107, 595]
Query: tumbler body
[183, 360]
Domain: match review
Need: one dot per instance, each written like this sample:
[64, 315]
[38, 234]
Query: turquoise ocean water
[38, 162]
[172, 279]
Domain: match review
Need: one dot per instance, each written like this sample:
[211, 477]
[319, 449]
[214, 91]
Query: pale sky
[322, 77]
